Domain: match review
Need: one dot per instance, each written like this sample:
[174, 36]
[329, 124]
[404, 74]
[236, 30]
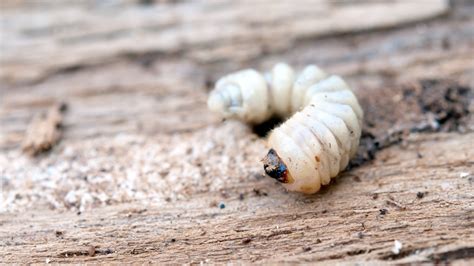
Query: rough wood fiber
[145, 173]
[356, 219]
[44, 131]
[205, 31]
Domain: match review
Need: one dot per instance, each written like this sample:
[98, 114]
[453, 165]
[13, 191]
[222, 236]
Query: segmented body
[317, 141]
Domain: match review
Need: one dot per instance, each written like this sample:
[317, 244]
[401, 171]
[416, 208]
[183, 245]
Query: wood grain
[145, 173]
[343, 223]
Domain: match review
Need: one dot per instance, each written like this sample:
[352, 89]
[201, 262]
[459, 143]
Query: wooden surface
[343, 223]
[144, 173]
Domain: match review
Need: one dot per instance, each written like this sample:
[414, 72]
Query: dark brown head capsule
[275, 167]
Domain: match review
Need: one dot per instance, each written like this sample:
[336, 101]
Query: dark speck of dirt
[375, 196]
[241, 196]
[146, 2]
[246, 241]
[383, 211]
[446, 43]
[259, 193]
[224, 194]
[91, 251]
[213, 204]
[420, 194]
[318, 241]
[107, 251]
[173, 240]
[59, 233]
[448, 102]
[306, 249]
[63, 107]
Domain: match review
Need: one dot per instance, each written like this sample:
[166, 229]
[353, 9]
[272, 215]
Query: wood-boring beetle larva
[314, 144]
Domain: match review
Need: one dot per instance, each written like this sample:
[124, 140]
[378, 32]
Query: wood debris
[44, 131]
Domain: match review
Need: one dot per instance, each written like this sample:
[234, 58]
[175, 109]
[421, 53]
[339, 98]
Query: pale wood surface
[143, 168]
[343, 223]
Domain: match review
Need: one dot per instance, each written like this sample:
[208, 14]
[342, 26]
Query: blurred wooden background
[143, 172]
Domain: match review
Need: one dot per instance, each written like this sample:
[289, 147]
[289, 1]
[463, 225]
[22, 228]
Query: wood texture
[144, 173]
[266, 224]
[204, 31]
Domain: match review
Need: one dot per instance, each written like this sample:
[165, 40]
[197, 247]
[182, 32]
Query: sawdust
[83, 174]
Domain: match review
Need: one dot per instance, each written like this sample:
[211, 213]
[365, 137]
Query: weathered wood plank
[87, 34]
[143, 167]
[427, 198]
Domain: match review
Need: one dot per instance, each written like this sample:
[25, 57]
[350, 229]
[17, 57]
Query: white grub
[316, 143]
[397, 247]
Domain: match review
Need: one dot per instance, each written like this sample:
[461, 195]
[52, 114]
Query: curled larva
[314, 144]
